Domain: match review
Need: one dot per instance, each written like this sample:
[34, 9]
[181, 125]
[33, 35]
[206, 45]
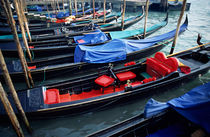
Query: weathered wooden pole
[104, 11]
[20, 20]
[10, 112]
[11, 21]
[48, 12]
[13, 92]
[94, 11]
[75, 6]
[178, 26]
[145, 23]
[70, 8]
[58, 6]
[123, 16]
[83, 7]
[25, 21]
[63, 5]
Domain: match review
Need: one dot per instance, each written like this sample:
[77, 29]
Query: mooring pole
[10, 112]
[123, 16]
[75, 6]
[83, 7]
[104, 11]
[94, 11]
[25, 23]
[58, 5]
[178, 26]
[63, 5]
[70, 8]
[20, 20]
[13, 92]
[145, 23]
[11, 21]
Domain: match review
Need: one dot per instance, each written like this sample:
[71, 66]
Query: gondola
[85, 20]
[51, 32]
[79, 61]
[76, 22]
[96, 37]
[115, 86]
[5, 30]
[187, 115]
[38, 8]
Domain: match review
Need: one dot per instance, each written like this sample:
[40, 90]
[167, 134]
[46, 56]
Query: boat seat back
[52, 96]
[160, 66]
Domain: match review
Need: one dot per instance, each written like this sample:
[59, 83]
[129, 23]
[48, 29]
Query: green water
[81, 125]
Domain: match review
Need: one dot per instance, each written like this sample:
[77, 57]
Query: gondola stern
[166, 19]
[186, 20]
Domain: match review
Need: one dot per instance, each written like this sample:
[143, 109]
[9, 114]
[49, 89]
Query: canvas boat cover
[194, 105]
[94, 37]
[117, 49]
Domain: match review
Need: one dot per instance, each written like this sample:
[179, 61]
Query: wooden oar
[198, 46]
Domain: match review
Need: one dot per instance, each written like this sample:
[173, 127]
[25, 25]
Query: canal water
[84, 124]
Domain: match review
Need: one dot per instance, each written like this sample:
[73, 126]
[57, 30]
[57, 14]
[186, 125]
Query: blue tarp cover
[94, 37]
[194, 105]
[117, 49]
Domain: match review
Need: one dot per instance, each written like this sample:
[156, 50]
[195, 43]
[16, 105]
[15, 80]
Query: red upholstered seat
[160, 56]
[52, 96]
[126, 75]
[104, 80]
[160, 65]
[157, 67]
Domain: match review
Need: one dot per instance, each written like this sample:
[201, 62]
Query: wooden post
[10, 112]
[75, 6]
[58, 6]
[48, 12]
[145, 23]
[178, 26]
[70, 8]
[20, 19]
[63, 5]
[25, 22]
[104, 11]
[83, 7]
[11, 21]
[13, 92]
[123, 16]
[94, 11]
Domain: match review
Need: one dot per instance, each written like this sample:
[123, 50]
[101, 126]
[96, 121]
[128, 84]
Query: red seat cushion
[161, 65]
[172, 63]
[52, 96]
[126, 75]
[104, 80]
[160, 56]
[157, 66]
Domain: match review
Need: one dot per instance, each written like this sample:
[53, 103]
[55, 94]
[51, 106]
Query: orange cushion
[104, 80]
[126, 75]
[52, 96]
